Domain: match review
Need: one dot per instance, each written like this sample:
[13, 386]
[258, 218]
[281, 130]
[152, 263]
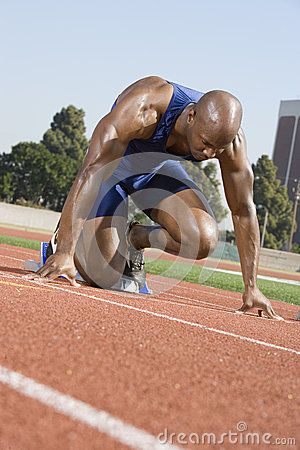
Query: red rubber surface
[227, 265]
[35, 235]
[151, 372]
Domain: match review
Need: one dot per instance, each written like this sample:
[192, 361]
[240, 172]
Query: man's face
[204, 140]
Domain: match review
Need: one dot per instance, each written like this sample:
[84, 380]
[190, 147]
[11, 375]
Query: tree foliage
[24, 165]
[41, 174]
[67, 134]
[270, 194]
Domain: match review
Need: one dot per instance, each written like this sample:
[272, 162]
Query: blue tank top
[181, 97]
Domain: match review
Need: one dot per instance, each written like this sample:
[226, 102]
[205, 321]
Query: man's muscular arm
[130, 119]
[238, 184]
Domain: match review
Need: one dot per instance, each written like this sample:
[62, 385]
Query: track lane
[169, 375]
[26, 424]
[209, 305]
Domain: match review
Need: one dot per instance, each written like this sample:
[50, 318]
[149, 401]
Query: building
[286, 153]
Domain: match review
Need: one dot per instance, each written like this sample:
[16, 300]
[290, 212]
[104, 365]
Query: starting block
[125, 284]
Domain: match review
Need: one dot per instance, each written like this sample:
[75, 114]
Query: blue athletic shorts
[146, 190]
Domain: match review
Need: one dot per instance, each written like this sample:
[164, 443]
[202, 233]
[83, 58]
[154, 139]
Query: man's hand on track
[255, 299]
[57, 265]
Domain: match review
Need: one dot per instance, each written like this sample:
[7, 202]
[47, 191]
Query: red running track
[180, 360]
[209, 262]
[35, 235]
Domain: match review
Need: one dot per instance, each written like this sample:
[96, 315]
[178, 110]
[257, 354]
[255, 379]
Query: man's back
[156, 143]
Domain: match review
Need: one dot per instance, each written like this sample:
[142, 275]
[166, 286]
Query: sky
[86, 52]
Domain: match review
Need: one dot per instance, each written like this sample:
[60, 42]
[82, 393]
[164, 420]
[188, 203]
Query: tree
[36, 177]
[61, 171]
[271, 195]
[24, 170]
[6, 183]
[42, 174]
[66, 141]
[295, 248]
[67, 134]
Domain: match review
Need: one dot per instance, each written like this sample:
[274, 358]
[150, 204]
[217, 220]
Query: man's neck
[177, 138]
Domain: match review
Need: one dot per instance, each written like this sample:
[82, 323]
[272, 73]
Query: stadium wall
[25, 217]
[271, 259]
[275, 259]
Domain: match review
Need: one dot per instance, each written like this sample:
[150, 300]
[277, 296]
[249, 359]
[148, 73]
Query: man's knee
[208, 240]
[201, 240]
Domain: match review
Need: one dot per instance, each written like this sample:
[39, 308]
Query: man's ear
[191, 116]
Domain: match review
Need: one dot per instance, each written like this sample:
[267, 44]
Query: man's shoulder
[234, 157]
[153, 90]
[151, 81]
[148, 84]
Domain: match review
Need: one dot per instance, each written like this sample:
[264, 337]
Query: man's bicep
[113, 133]
[131, 117]
[125, 120]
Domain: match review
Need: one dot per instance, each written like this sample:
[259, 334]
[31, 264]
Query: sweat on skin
[208, 126]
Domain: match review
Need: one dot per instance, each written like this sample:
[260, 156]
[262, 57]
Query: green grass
[197, 274]
[194, 274]
[20, 242]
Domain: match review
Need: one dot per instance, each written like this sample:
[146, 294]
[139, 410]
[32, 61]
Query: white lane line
[260, 277]
[196, 304]
[12, 257]
[215, 269]
[163, 316]
[204, 289]
[211, 269]
[239, 273]
[210, 291]
[17, 249]
[152, 298]
[216, 294]
[160, 280]
[83, 412]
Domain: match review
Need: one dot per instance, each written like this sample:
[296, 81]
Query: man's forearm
[82, 197]
[103, 156]
[76, 209]
[247, 239]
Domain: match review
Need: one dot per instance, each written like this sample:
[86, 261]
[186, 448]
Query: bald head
[220, 115]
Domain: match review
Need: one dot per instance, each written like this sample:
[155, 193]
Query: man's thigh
[185, 216]
[101, 250]
[174, 201]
